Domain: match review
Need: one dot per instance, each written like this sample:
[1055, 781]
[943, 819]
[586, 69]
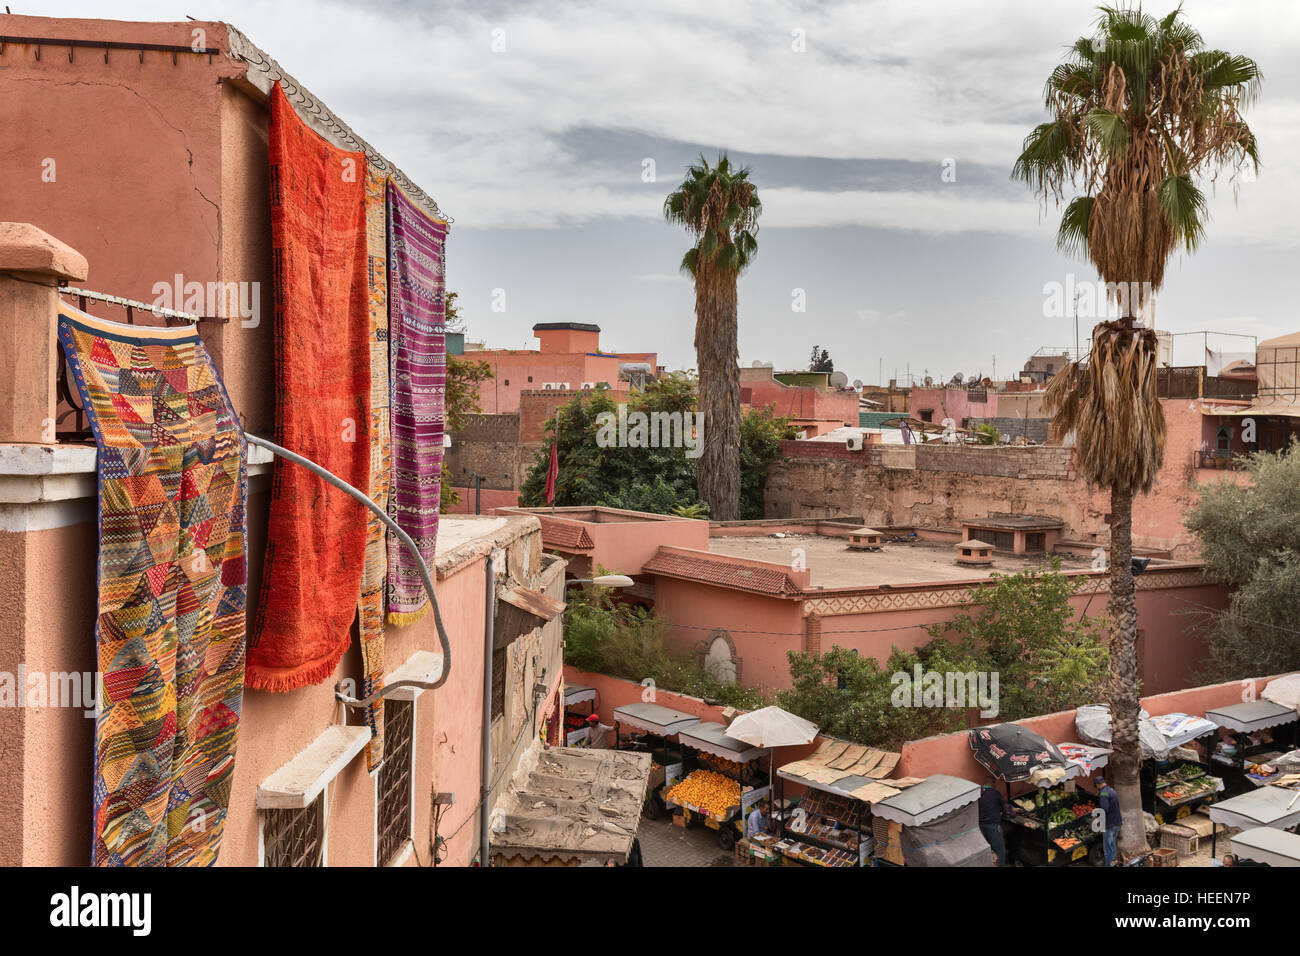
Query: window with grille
[1001, 540]
[295, 837]
[499, 683]
[395, 779]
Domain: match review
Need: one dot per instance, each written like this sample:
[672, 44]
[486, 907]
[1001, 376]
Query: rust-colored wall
[938, 485]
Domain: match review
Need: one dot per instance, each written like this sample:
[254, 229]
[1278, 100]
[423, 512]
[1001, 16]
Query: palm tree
[718, 206]
[1139, 111]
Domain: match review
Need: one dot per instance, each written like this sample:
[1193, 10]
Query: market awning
[1265, 807]
[1180, 729]
[578, 694]
[838, 766]
[712, 739]
[1267, 845]
[1012, 753]
[932, 798]
[571, 805]
[654, 719]
[1251, 715]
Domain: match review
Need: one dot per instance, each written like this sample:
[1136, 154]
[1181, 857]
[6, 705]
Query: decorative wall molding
[922, 598]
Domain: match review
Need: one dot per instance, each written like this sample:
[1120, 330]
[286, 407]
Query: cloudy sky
[551, 132]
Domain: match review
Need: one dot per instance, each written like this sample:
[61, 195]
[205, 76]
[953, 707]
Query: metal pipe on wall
[485, 747]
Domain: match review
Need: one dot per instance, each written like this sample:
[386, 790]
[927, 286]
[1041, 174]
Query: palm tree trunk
[1126, 760]
[717, 357]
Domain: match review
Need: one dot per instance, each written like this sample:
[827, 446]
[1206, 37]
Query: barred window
[394, 819]
[295, 837]
[499, 683]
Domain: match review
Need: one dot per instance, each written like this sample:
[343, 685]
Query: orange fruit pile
[708, 791]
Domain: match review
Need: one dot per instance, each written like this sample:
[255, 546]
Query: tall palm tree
[1139, 111]
[719, 206]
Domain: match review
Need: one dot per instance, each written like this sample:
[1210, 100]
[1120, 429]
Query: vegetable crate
[1184, 841]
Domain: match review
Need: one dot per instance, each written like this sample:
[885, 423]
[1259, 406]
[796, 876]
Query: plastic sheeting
[951, 840]
[1284, 691]
[1092, 721]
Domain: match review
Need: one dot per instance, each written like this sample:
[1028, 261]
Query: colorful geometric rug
[170, 629]
[370, 609]
[418, 379]
[316, 539]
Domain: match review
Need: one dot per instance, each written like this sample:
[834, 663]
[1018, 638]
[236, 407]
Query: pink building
[158, 168]
[939, 404]
[568, 357]
[751, 592]
[813, 408]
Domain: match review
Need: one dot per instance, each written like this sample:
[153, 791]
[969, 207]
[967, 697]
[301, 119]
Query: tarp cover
[1284, 691]
[1092, 721]
[951, 840]
[572, 804]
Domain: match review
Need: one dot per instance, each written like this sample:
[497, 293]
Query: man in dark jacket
[1108, 801]
[992, 804]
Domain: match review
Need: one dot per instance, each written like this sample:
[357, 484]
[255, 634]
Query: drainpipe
[485, 746]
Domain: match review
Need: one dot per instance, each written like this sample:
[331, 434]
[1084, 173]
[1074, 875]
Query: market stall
[653, 729]
[1267, 847]
[935, 823]
[1257, 732]
[1052, 825]
[721, 781]
[1264, 807]
[581, 727]
[832, 826]
[1174, 780]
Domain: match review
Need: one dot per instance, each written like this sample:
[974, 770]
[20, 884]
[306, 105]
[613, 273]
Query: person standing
[992, 805]
[1108, 801]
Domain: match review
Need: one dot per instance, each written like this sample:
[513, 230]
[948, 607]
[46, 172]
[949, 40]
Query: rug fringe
[281, 680]
[407, 618]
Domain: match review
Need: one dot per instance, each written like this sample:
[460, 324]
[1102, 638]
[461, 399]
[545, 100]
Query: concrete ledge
[32, 474]
[27, 249]
[301, 780]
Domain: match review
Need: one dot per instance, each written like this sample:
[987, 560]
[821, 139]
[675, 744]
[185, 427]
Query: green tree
[1022, 626]
[658, 480]
[1250, 541]
[820, 361]
[1139, 111]
[851, 695]
[719, 206]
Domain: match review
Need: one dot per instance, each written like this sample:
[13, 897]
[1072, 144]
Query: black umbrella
[1012, 752]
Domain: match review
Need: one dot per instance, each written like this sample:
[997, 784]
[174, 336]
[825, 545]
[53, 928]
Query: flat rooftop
[833, 565]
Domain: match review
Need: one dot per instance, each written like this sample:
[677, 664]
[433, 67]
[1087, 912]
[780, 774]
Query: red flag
[552, 472]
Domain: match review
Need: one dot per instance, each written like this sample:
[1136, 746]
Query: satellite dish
[857, 383]
[839, 379]
[767, 365]
[957, 379]
[929, 382]
[756, 364]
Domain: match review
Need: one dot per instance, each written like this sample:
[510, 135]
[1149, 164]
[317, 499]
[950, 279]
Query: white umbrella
[772, 727]
[1284, 691]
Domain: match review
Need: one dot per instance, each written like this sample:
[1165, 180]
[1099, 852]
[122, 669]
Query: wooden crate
[1164, 856]
[679, 820]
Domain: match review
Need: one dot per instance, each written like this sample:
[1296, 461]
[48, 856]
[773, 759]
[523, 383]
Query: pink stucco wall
[951, 403]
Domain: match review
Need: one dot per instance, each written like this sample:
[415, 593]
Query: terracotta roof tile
[723, 571]
[569, 535]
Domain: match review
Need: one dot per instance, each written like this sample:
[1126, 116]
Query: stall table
[731, 758]
[938, 823]
[658, 725]
[1248, 723]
